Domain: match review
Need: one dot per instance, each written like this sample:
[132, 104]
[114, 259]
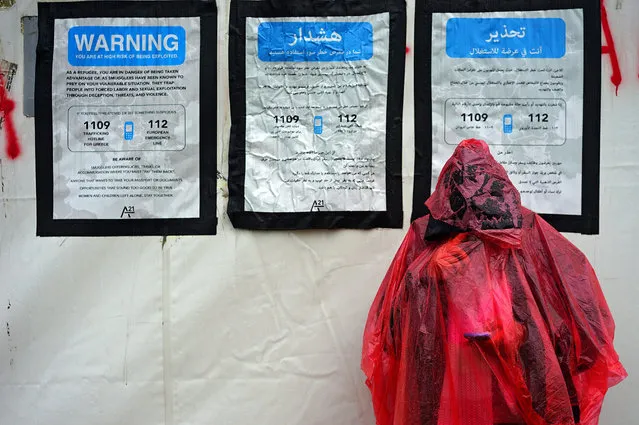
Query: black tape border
[393, 216]
[207, 222]
[588, 221]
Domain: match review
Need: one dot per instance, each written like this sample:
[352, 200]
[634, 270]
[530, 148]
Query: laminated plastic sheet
[524, 76]
[123, 95]
[316, 106]
[259, 328]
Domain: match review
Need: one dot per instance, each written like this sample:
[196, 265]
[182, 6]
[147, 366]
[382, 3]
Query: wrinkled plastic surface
[487, 314]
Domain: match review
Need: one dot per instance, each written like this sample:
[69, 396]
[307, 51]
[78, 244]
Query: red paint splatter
[610, 50]
[7, 105]
[407, 50]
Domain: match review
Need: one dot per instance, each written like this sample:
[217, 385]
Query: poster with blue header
[316, 114]
[122, 145]
[517, 79]
[315, 129]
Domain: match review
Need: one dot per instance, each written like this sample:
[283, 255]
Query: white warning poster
[125, 95]
[316, 106]
[514, 80]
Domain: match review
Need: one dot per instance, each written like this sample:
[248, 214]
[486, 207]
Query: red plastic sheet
[487, 315]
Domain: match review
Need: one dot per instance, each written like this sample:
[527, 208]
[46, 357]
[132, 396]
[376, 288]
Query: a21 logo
[318, 205]
[128, 210]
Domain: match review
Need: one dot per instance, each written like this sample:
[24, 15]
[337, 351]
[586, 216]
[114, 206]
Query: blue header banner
[315, 41]
[126, 46]
[519, 38]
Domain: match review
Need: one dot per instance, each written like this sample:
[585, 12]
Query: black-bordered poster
[525, 79]
[125, 143]
[316, 103]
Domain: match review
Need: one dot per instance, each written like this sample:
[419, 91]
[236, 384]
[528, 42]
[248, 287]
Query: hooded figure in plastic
[487, 315]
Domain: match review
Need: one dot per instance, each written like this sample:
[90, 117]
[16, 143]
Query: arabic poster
[316, 131]
[517, 80]
[122, 146]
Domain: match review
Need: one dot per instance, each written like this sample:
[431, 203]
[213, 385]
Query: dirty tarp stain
[5, 4]
[8, 71]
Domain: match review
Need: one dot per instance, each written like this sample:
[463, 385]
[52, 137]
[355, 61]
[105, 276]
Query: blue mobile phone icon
[318, 124]
[508, 124]
[128, 130]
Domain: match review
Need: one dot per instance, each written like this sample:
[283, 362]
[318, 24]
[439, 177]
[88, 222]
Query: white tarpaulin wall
[246, 327]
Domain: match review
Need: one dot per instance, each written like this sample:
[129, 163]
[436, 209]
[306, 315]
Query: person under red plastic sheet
[487, 315]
